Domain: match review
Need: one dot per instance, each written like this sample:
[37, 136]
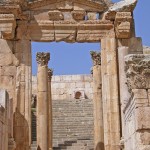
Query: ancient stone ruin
[108, 110]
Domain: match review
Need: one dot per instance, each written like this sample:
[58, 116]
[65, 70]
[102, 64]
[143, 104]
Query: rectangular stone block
[6, 82]
[135, 45]
[6, 46]
[142, 118]
[140, 93]
[8, 71]
[143, 138]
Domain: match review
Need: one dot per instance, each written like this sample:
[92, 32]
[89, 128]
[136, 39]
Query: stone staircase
[72, 125]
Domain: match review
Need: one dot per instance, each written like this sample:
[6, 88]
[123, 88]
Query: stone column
[97, 101]
[22, 101]
[50, 119]
[110, 94]
[124, 93]
[42, 101]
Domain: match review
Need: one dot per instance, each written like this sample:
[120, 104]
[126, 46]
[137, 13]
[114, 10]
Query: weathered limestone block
[138, 71]
[36, 30]
[122, 6]
[55, 15]
[78, 15]
[7, 26]
[6, 104]
[142, 127]
[65, 31]
[142, 115]
[7, 82]
[92, 15]
[146, 50]
[7, 57]
[14, 1]
[94, 31]
[135, 45]
[140, 97]
[123, 24]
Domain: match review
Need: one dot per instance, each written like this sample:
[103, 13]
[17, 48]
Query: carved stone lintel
[137, 71]
[42, 58]
[50, 73]
[55, 15]
[96, 57]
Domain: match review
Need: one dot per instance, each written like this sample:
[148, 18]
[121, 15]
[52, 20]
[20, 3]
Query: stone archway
[63, 20]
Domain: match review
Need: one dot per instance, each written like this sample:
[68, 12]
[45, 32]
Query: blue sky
[75, 58]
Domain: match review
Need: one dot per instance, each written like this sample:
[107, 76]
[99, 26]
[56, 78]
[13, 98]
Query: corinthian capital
[137, 71]
[50, 73]
[96, 57]
[42, 58]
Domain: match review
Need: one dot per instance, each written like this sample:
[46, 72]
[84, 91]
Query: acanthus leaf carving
[137, 71]
[42, 58]
[96, 57]
[50, 73]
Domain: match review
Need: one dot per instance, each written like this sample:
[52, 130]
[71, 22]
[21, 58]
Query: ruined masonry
[107, 110]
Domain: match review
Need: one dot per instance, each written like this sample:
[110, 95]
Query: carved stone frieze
[7, 26]
[78, 15]
[123, 24]
[42, 58]
[137, 71]
[22, 3]
[96, 57]
[55, 15]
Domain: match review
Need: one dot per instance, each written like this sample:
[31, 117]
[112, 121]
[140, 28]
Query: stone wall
[66, 86]
[137, 123]
[6, 122]
[137, 109]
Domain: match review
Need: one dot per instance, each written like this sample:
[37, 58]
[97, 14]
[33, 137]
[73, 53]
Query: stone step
[72, 120]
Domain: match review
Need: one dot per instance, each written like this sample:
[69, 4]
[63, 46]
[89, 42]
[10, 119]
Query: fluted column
[42, 101]
[50, 120]
[97, 100]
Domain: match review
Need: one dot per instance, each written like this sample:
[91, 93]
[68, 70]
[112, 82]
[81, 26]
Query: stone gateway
[117, 93]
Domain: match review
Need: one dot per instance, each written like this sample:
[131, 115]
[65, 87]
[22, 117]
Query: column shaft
[110, 94]
[22, 102]
[42, 101]
[124, 93]
[97, 101]
[98, 109]
[50, 124]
